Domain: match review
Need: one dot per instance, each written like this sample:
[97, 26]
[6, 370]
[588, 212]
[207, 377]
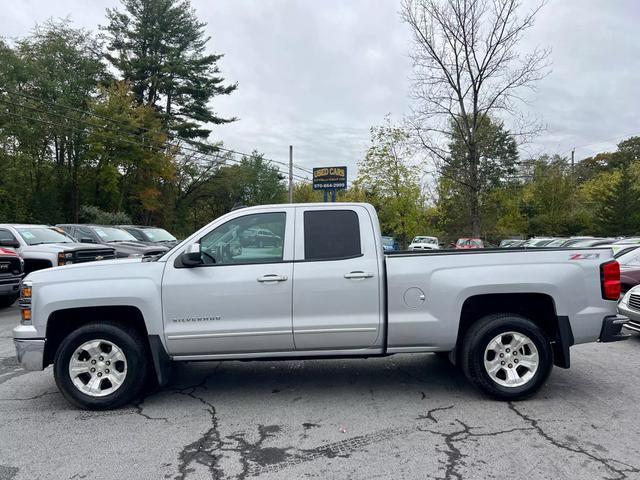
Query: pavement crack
[29, 398]
[140, 411]
[605, 462]
[429, 415]
[202, 451]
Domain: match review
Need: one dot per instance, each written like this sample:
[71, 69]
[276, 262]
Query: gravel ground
[405, 417]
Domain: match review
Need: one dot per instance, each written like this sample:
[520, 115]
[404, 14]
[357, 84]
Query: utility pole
[573, 156]
[290, 173]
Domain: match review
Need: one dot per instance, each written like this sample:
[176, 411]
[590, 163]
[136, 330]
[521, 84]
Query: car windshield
[624, 251]
[557, 242]
[111, 234]
[387, 241]
[629, 257]
[39, 235]
[158, 235]
[425, 240]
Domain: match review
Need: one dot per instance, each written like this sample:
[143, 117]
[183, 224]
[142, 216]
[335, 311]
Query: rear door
[337, 280]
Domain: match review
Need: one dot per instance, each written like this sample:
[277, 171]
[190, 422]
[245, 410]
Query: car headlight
[65, 258]
[25, 303]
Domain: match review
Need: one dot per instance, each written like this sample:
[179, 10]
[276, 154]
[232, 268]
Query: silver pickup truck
[321, 286]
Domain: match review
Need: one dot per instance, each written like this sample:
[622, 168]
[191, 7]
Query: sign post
[330, 179]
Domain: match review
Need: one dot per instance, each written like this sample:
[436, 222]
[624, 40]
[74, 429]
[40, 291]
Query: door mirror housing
[191, 257]
[9, 243]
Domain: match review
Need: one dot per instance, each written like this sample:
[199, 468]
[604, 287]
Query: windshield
[425, 240]
[158, 235]
[387, 241]
[631, 257]
[557, 242]
[39, 235]
[111, 234]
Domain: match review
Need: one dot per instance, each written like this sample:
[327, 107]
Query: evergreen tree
[159, 47]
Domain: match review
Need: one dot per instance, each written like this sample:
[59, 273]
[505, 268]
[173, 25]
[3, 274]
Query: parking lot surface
[410, 416]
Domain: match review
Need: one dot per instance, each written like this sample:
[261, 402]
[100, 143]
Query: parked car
[260, 237]
[469, 243]
[511, 243]
[11, 273]
[538, 242]
[625, 242]
[390, 244]
[629, 269]
[327, 291]
[424, 243]
[43, 246]
[592, 242]
[151, 235]
[124, 244]
[556, 242]
[630, 307]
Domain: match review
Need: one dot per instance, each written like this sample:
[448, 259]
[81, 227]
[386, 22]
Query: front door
[239, 299]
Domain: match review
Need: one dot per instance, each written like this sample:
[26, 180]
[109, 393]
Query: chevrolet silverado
[326, 290]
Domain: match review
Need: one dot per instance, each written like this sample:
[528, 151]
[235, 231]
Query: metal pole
[290, 173]
[326, 195]
[333, 195]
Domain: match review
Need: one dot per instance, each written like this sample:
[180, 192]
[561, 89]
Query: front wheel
[507, 356]
[101, 366]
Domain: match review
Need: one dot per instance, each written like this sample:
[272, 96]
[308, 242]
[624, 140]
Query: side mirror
[86, 240]
[9, 243]
[191, 257]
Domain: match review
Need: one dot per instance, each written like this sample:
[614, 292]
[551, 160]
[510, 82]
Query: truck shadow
[408, 373]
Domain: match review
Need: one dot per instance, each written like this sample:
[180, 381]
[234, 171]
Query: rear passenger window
[331, 234]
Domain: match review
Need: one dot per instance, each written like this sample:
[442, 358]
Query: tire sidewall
[136, 366]
[494, 328]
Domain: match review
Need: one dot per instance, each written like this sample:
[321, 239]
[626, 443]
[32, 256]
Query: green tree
[159, 47]
[391, 184]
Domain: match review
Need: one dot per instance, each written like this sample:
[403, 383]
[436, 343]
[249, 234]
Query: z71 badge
[584, 256]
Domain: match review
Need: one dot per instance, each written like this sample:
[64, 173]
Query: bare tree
[467, 68]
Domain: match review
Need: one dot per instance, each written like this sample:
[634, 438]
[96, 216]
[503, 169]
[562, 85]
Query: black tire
[478, 338]
[8, 300]
[136, 352]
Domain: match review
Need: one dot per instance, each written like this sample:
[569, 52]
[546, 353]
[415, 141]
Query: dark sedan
[123, 242]
[150, 235]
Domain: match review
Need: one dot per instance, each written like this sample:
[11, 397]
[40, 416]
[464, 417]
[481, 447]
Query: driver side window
[256, 238]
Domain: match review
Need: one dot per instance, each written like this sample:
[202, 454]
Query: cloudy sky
[319, 74]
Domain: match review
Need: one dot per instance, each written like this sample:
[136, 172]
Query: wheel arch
[540, 308]
[62, 322]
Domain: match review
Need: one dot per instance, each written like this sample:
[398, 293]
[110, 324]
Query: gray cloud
[318, 75]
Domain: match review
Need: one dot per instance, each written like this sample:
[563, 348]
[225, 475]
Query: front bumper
[634, 317]
[611, 329]
[30, 353]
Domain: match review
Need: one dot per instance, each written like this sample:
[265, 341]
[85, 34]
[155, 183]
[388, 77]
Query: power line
[119, 132]
[221, 160]
[167, 134]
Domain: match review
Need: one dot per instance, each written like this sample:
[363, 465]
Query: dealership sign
[330, 178]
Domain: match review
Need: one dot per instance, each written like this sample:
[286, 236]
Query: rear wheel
[507, 356]
[101, 366]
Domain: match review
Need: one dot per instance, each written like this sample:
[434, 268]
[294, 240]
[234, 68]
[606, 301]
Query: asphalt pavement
[400, 417]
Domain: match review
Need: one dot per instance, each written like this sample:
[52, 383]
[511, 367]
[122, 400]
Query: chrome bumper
[30, 353]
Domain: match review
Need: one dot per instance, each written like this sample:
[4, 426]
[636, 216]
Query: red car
[629, 260]
[11, 272]
[469, 243]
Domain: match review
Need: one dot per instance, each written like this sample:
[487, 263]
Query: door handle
[272, 277]
[358, 274]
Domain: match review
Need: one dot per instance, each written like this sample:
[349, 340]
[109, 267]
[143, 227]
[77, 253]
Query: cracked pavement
[409, 416]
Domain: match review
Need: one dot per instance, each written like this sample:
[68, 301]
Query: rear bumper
[611, 329]
[30, 353]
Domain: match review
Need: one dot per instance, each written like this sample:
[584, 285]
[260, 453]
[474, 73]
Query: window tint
[6, 235]
[257, 238]
[331, 234]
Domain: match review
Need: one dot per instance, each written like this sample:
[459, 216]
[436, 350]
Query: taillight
[610, 280]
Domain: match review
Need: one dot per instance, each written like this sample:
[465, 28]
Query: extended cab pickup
[323, 289]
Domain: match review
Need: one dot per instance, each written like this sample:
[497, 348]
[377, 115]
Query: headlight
[65, 258]
[25, 303]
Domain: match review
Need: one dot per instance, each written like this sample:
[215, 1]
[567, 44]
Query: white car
[424, 243]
